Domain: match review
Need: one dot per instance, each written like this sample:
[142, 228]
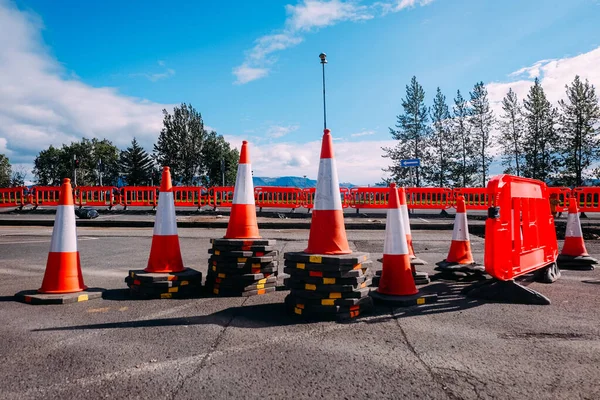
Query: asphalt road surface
[220, 348]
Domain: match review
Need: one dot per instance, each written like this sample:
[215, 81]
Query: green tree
[482, 121]
[53, 164]
[17, 177]
[216, 151]
[48, 168]
[443, 146]
[541, 141]
[181, 142]
[579, 130]
[412, 134]
[5, 171]
[511, 126]
[136, 165]
[466, 167]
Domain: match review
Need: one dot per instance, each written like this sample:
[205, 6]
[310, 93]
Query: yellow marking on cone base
[264, 280]
[217, 252]
[131, 274]
[221, 276]
[173, 289]
[166, 295]
[183, 283]
[260, 286]
[328, 281]
[420, 300]
[172, 278]
[335, 295]
[300, 266]
[216, 291]
[301, 306]
[214, 268]
[328, 302]
[315, 259]
[256, 265]
[242, 259]
[82, 297]
[297, 310]
[123, 309]
[309, 286]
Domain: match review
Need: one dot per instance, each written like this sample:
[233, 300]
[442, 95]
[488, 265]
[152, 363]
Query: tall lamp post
[323, 58]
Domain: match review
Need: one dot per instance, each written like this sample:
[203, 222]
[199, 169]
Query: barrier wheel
[548, 274]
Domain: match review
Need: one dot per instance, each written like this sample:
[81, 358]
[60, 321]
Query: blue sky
[106, 69]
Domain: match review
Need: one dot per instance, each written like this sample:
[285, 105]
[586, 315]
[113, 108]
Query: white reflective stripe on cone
[395, 237]
[461, 230]
[244, 189]
[165, 223]
[327, 195]
[573, 226]
[64, 234]
[405, 219]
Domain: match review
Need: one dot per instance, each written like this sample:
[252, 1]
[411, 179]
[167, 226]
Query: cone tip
[326, 131]
[244, 153]
[165, 182]
[393, 185]
[244, 142]
[66, 180]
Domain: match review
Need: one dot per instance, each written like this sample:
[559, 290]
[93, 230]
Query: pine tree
[442, 142]
[511, 126]
[180, 143]
[579, 130]
[541, 141]
[482, 121]
[136, 165]
[466, 167]
[412, 134]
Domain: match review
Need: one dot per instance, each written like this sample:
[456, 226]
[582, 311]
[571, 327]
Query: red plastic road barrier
[520, 236]
[588, 198]
[376, 197]
[429, 198]
[139, 196]
[563, 194]
[190, 196]
[220, 196]
[12, 197]
[45, 196]
[475, 198]
[308, 199]
[95, 196]
[278, 197]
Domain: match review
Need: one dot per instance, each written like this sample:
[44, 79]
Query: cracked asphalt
[218, 348]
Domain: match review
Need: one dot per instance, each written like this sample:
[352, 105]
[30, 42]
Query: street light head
[323, 58]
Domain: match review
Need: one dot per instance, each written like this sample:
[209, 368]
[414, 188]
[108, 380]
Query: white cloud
[357, 162]
[41, 104]
[156, 76]
[277, 131]
[363, 133]
[246, 74]
[306, 16]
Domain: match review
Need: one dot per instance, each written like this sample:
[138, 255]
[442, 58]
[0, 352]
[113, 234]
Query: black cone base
[505, 292]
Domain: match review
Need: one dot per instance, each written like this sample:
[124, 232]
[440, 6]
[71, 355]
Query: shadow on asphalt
[275, 314]
[7, 298]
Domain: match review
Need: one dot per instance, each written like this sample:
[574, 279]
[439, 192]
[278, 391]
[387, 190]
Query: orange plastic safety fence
[429, 198]
[308, 197]
[95, 196]
[369, 198]
[139, 196]
[278, 197]
[45, 196]
[475, 198]
[220, 196]
[520, 236]
[13, 197]
[588, 198]
[190, 196]
[563, 196]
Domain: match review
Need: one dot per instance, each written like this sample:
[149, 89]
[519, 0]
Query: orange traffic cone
[327, 231]
[165, 254]
[460, 257]
[63, 281]
[242, 220]
[63, 268]
[404, 209]
[397, 285]
[574, 254]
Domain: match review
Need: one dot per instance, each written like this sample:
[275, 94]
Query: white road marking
[424, 220]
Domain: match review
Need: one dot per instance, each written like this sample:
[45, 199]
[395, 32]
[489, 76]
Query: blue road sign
[415, 162]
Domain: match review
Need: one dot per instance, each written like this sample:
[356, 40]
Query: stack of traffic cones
[397, 286]
[460, 257]
[574, 254]
[241, 263]
[63, 281]
[327, 280]
[420, 277]
[165, 277]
